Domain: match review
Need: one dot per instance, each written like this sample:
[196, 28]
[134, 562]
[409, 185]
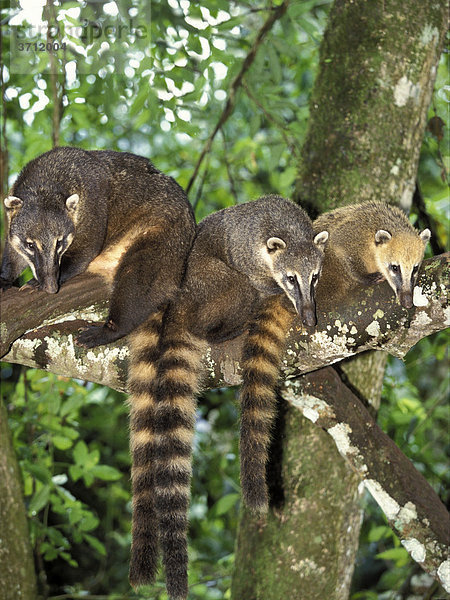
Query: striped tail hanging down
[177, 386]
[144, 351]
[260, 372]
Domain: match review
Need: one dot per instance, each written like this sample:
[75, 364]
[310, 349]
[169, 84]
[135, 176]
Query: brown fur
[354, 258]
[232, 280]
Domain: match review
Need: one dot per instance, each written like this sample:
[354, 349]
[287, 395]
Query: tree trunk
[18, 579]
[368, 114]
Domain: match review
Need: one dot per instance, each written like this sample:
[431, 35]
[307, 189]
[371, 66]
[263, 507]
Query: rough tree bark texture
[368, 114]
[18, 579]
[43, 336]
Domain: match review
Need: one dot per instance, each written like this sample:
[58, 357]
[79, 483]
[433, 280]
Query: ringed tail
[260, 372]
[144, 342]
[177, 386]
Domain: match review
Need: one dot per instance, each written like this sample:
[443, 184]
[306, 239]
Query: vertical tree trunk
[17, 576]
[368, 114]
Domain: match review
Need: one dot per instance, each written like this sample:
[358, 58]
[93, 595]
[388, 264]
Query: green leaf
[75, 472]
[81, 453]
[378, 533]
[39, 500]
[106, 473]
[61, 442]
[38, 471]
[224, 504]
[395, 554]
[95, 543]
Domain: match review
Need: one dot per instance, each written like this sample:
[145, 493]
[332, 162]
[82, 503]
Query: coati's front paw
[97, 335]
[31, 286]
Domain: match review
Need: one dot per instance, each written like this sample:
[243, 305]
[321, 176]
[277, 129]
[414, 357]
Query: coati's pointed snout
[308, 315]
[50, 286]
[406, 299]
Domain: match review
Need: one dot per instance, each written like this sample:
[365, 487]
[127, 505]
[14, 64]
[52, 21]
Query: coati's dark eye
[291, 279]
[314, 278]
[394, 268]
[30, 246]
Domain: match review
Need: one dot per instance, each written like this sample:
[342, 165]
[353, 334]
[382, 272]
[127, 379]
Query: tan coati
[369, 243]
[253, 265]
[113, 213]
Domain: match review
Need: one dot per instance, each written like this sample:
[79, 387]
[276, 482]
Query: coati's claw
[30, 286]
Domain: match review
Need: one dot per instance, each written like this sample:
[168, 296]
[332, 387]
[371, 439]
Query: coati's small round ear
[425, 236]
[321, 238]
[72, 201]
[275, 243]
[13, 202]
[382, 236]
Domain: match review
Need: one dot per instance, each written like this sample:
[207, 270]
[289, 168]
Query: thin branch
[280, 126]
[57, 96]
[229, 106]
[198, 195]
[233, 189]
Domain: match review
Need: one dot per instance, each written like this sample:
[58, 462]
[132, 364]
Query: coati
[112, 213]
[369, 243]
[258, 261]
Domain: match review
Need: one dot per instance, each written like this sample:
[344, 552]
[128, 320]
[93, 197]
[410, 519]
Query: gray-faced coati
[260, 262]
[112, 213]
[369, 243]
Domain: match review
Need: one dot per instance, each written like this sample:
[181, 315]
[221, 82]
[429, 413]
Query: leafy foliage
[159, 91]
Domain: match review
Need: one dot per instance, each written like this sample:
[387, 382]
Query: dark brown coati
[369, 243]
[113, 213]
[254, 264]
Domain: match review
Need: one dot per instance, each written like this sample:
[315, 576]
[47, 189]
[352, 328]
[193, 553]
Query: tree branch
[43, 335]
[413, 509]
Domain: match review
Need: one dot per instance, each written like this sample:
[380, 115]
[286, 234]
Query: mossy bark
[368, 114]
[312, 518]
[369, 104]
[18, 579]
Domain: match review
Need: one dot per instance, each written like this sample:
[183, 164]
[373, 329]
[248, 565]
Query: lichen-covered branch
[411, 506]
[38, 330]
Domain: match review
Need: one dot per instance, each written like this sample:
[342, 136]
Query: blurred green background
[153, 79]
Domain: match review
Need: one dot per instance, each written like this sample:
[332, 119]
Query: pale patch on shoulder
[106, 263]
